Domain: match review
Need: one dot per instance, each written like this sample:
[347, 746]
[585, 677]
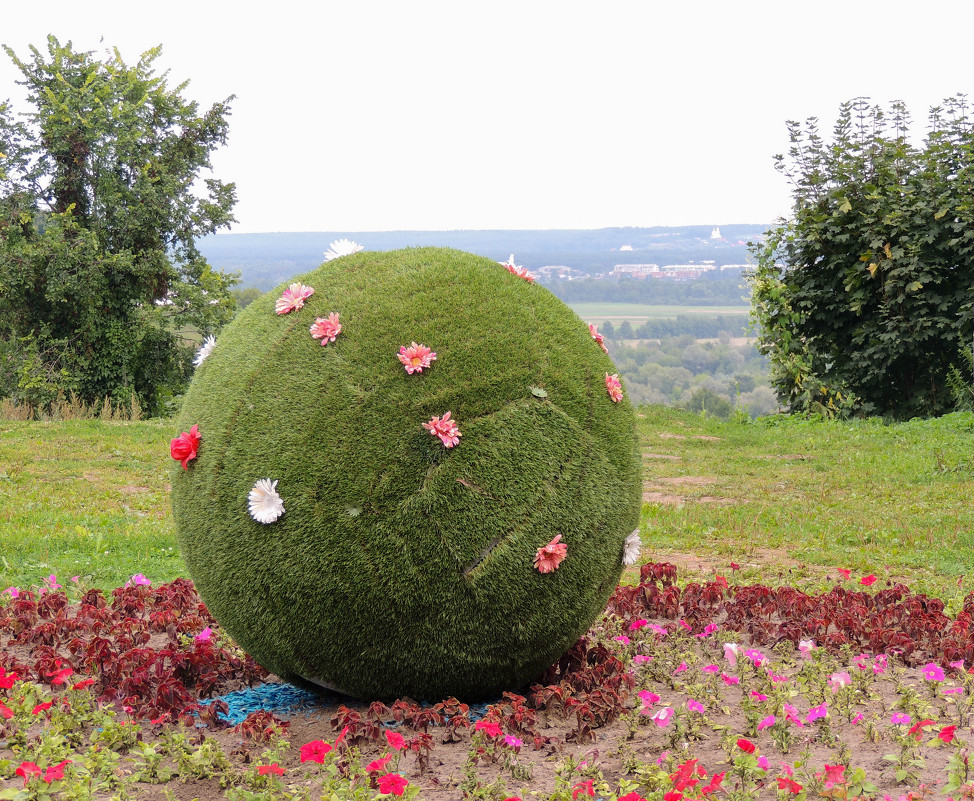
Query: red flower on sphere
[549, 556]
[184, 447]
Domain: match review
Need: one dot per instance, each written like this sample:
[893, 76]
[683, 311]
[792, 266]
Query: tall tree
[864, 299]
[103, 194]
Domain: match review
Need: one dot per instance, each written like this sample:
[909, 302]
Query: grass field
[787, 500]
[636, 313]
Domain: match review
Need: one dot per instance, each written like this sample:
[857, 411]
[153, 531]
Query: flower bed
[709, 690]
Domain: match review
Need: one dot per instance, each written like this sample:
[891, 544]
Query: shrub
[401, 566]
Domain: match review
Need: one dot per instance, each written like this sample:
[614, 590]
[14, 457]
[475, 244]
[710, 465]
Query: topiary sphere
[402, 565]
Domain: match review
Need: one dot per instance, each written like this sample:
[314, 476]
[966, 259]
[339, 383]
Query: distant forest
[266, 260]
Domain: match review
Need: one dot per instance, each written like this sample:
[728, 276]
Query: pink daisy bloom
[293, 298]
[416, 358]
[516, 269]
[549, 556]
[326, 330]
[599, 339]
[613, 387]
[444, 428]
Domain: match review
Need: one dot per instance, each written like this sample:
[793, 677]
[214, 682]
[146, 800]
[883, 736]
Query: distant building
[626, 247]
[560, 271]
[635, 271]
[715, 234]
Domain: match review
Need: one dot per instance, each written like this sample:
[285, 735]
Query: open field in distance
[597, 312]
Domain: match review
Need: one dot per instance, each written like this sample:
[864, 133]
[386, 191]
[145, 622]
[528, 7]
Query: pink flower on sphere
[516, 269]
[613, 387]
[293, 298]
[599, 339]
[549, 556]
[444, 428]
[184, 447]
[326, 329]
[416, 358]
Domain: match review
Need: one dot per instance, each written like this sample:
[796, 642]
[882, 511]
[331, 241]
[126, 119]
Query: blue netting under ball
[285, 701]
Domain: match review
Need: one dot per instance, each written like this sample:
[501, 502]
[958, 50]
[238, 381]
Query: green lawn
[639, 313]
[787, 500]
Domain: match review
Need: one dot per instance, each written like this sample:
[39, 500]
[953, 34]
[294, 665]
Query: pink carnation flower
[416, 358]
[549, 556]
[326, 330]
[444, 428]
[293, 298]
[613, 387]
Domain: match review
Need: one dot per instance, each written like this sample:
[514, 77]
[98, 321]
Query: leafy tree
[101, 202]
[863, 299]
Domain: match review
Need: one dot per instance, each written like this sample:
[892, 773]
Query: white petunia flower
[630, 551]
[264, 503]
[205, 350]
[342, 247]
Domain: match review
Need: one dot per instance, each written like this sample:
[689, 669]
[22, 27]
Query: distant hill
[266, 260]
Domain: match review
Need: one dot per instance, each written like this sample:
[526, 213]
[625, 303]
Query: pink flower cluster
[444, 428]
[326, 329]
[293, 298]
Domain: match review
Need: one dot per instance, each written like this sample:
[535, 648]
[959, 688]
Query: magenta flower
[758, 696]
[392, 784]
[900, 719]
[680, 668]
[730, 652]
[710, 669]
[513, 742]
[640, 659]
[766, 722]
[816, 712]
[662, 717]
[293, 298]
[613, 387]
[185, 447]
[755, 656]
[694, 705]
[416, 358]
[204, 635]
[648, 698]
[549, 556]
[729, 680]
[834, 775]
[806, 647]
[657, 629]
[326, 329]
[858, 718]
[954, 691]
[638, 624]
[444, 428]
[138, 580]
[932, 672]
[709, 629]
[622, 638]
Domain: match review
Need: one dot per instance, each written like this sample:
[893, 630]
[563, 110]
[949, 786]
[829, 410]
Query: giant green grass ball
[401, 566]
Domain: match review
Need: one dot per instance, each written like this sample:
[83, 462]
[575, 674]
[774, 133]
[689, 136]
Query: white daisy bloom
[342, 247]
[630, 551]
[264, 503]
[205, 350]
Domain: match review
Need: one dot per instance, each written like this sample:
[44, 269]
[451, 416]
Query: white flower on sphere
[264, 503]
[205, 350]
[342, 247]
[630, 551]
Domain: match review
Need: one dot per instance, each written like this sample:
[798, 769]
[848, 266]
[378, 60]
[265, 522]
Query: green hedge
[402, 567]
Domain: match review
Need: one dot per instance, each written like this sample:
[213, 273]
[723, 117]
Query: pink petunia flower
[416, 358]
[138, 580]
[867, 580]
[28, 769]
[314, 751]
[709, 629]
[657, 629]
[805, 647]
[755, 656]
[392, 783]
[513, 742]
[185, 447]
[293, 298]
[623, 639]
[326, 329]
[695, 706]
[767, 722]
[395, 740]
[954, 691]
[710, 669]
[378, 764]
[834, 775]
[641, 659]
[661, 717]
[492, 727]
[933, 672]
[729, 680]
[204, 635]
[274, 768]
[838, 680]
[900, 719]
[758, 696]
[817, 712]
[638, 624]
[680, 668]
[844, 573]
[549, 556]
[730, 652]
[763, 763]
[613, 387]
[444, 428]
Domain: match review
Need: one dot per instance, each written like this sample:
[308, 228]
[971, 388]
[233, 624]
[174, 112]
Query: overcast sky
[384, 115]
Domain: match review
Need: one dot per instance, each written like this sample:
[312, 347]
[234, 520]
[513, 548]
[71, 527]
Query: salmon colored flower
[416, 358]
[326, 329]
[599, 339]
[790, 785]
[185, 447]
[444, 428]
[613, 387]
[549, 556]
[293, 298]
[28, 769]
[516, 269]
[392, 783]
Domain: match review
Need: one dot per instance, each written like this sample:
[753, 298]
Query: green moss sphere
[401, 566]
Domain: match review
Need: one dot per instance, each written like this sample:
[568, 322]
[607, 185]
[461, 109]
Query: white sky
[358, 115]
